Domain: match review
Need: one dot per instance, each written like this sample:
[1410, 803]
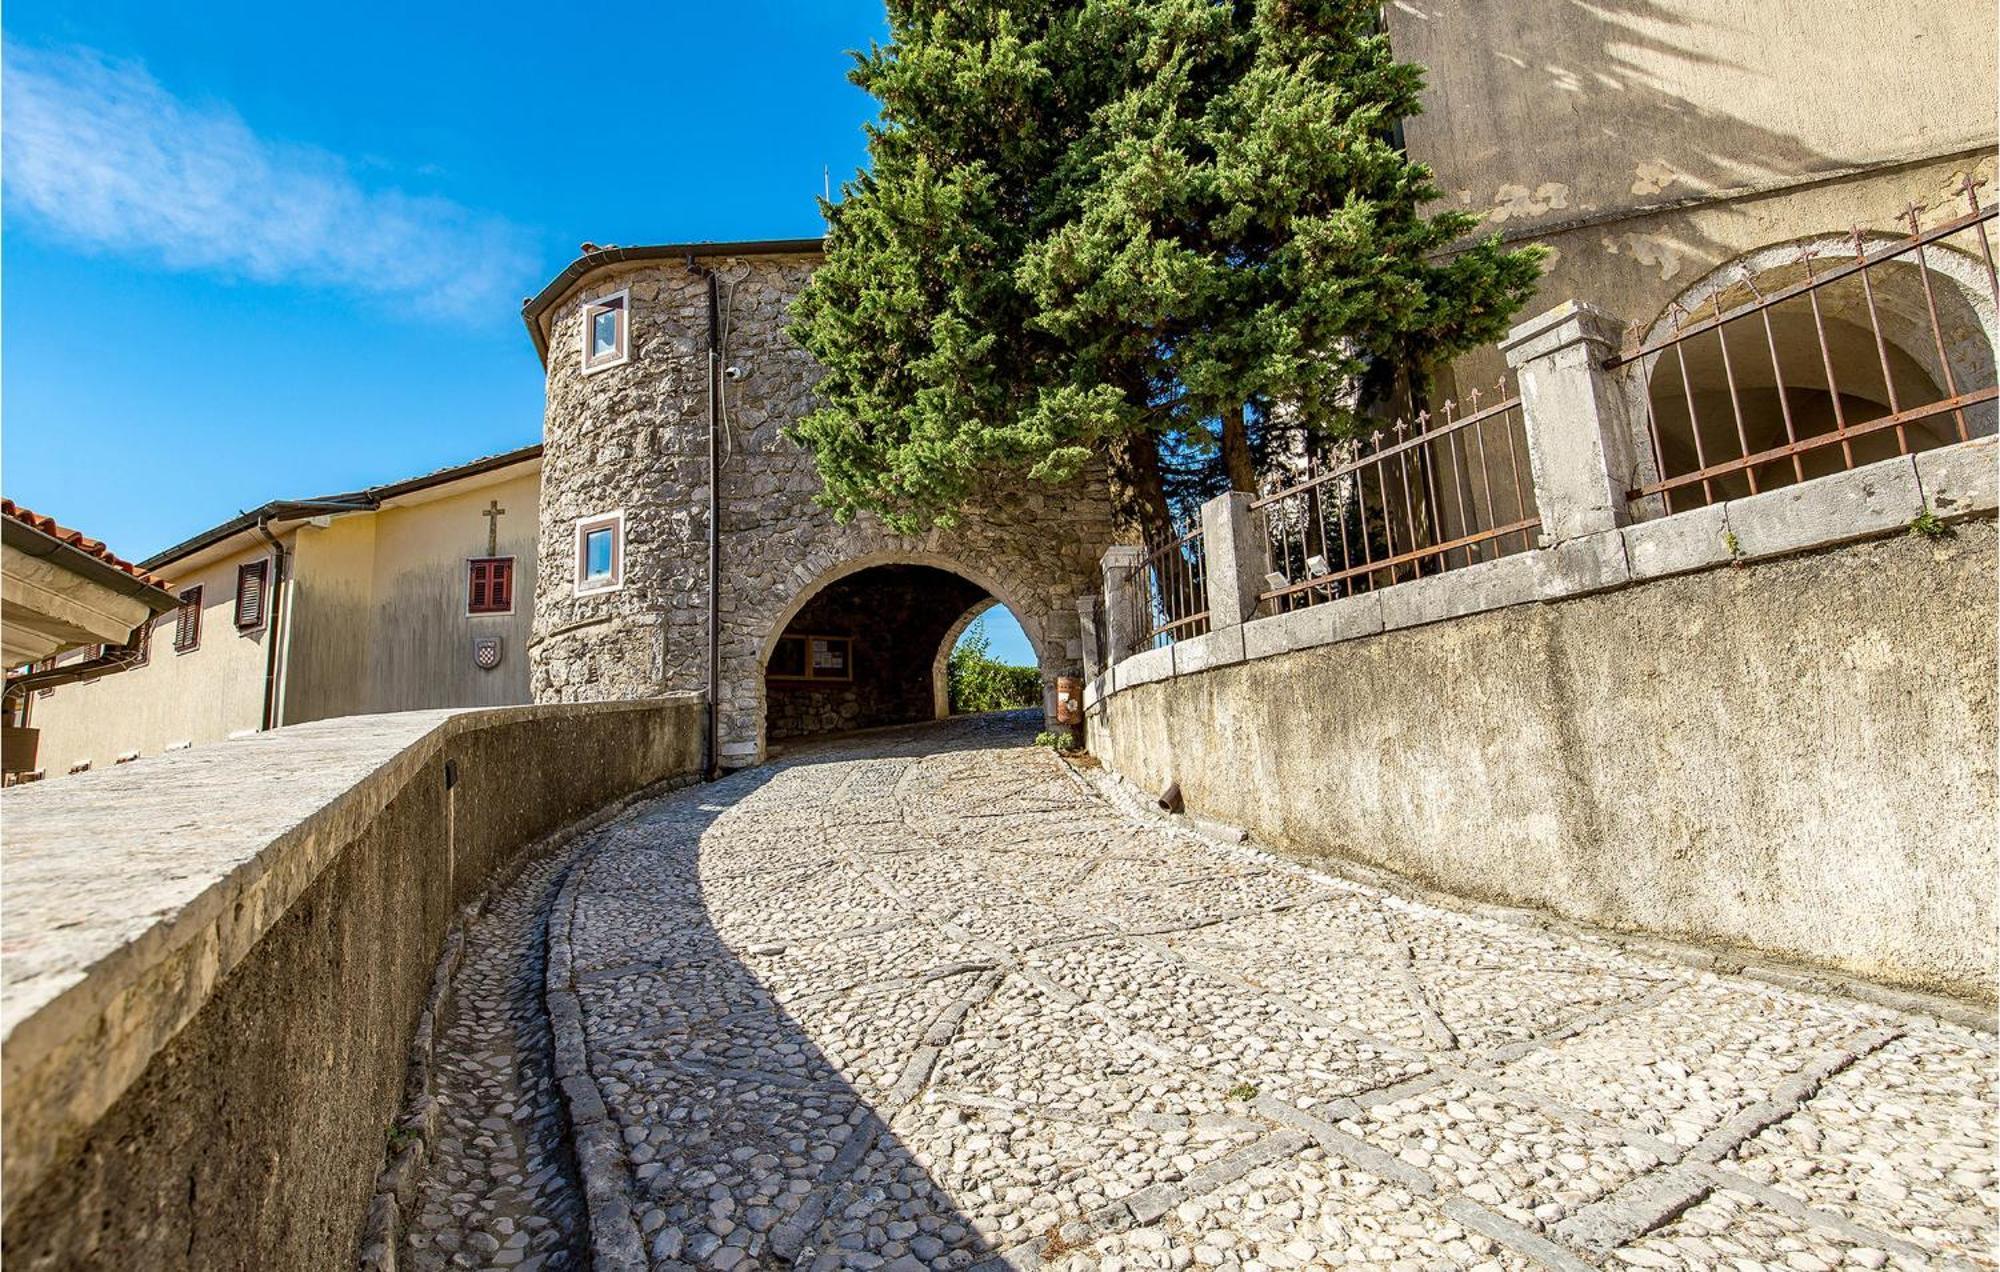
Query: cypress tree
[1129, 229]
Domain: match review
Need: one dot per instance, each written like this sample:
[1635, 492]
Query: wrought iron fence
[1419, 498]
[1168, 592]
[1835, 353]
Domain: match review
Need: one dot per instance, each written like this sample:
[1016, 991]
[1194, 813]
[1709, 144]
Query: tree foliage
[1122, 228]
[977, 681]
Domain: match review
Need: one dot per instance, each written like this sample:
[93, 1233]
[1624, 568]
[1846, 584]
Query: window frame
[615, 581]
[619, 302]
[261, 567]
[187, 619]
[809, 675]
[472, 563]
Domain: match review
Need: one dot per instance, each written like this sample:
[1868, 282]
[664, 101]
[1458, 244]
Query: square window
[597, 554]
[606, 332]
[600, 553]
[489, 585]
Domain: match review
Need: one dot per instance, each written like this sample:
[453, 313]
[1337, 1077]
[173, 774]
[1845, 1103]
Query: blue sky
[256, 251]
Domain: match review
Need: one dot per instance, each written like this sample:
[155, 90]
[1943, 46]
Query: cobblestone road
[926, 1000]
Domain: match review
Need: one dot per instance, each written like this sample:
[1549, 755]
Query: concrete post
[1585, 425]
[1121, 608]
[1093, 645]
[1234, 552]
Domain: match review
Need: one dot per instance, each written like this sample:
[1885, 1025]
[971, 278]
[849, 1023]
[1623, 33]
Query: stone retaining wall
[217, 960]
[1792, 756]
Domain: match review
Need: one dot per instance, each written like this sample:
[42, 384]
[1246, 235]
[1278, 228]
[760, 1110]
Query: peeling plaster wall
[633, 437]
[1649, 144]
[1538, 112]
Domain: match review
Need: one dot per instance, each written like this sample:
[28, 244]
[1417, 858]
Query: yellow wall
[372, 619]
[202, 695]
[381, 622]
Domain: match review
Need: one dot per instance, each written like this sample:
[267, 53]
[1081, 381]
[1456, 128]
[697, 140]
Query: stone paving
[930, 1000]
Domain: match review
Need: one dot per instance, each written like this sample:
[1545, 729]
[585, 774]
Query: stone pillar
[1585, 424]
[1093, 645]
[1234, 554]
[1121, 610]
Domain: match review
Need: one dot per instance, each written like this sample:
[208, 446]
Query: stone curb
[612, 1232]
[1118, 791]
[396, 1183]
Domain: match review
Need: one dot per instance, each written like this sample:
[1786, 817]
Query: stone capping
[129, 898]
[1950, 483]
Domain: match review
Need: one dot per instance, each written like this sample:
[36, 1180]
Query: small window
[250, 595]
[812, 658]
[489, 585]
[606, 332]
[187, 621]
[600, 553]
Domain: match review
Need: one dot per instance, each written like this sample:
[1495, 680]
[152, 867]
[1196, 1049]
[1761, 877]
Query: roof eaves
[535, 306]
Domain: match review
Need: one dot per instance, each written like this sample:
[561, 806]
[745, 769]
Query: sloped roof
[364, 500]
[75, 539]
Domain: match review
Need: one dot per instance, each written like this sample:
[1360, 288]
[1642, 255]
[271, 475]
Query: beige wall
[373, 618]
[202, 695]
[381, 622]
[1649, 144]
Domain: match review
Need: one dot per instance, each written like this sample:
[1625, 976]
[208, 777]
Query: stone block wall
[633, 437]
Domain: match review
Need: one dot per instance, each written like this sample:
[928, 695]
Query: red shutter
[489, 585]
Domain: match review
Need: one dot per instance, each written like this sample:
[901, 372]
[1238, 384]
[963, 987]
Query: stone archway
[941, 663]
[749, 650]
[1812, 359]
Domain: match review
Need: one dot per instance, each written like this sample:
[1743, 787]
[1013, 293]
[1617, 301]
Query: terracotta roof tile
[75, 539]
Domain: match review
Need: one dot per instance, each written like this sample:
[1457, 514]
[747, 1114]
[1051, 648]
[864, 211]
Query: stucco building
[1679, 153]
[393, 598]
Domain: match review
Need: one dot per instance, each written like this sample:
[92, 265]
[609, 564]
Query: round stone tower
[622, 601]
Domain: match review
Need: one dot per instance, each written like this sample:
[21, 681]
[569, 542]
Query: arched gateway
[622, 605]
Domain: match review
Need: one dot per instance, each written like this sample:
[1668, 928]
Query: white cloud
[98, 153]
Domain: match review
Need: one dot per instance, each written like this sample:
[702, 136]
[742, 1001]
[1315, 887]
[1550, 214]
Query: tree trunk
[1138, 491]
[1237, 462]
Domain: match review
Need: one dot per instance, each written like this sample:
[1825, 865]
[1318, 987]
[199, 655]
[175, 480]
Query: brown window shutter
[250, 594]
[187, 621]
[489, 585]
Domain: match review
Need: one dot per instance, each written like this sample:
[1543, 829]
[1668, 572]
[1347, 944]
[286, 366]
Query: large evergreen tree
[1126, 228]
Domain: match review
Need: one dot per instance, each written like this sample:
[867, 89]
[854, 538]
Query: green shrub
[979, 682]
[1056, 739]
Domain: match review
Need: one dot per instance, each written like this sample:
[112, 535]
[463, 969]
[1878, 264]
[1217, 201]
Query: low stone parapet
[216, 960]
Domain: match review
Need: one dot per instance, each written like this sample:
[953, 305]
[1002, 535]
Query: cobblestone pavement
[926, 1000]
[499, 1191]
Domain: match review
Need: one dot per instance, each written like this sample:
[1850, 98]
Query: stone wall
[633, 437]
[208, 1018]
[898, 617]
[1792, 757]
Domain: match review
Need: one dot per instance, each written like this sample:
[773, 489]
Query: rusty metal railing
[1168, 591]
[1444, 492]
[1842, 353]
